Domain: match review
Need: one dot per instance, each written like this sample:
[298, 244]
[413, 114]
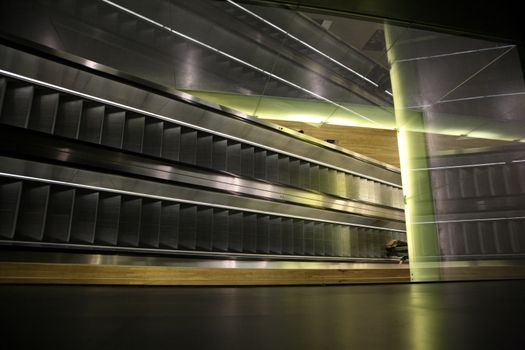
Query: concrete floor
[470, 315]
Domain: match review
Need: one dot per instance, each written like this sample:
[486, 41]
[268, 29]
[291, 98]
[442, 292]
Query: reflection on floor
[468, 315]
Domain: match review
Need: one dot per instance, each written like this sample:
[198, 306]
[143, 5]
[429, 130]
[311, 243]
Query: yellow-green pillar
[423, 243]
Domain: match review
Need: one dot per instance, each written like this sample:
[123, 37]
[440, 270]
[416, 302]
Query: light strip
[510, 47]
[158, 116]
[481, 97]
[468, 99]
[459, 166]
[518, 161]
[180, 200]
[469, 220]
[454, 53]
[302, 42]
[271, 75]
[388, 92]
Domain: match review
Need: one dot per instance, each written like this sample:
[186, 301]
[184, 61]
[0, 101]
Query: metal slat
[472, 243]
[169, 225]
[375, 192]
[319, 239]
[329, 239]
[295, 172]
[444, 239]
[250, 233]
[345, 240]
[220, 230]
[340, 184]
[130, 221]
[362, 240]
[91, 122]
[451, 183]
[85, 212]
[32, 213]
[188, 146]
[487, 237]
[502, 236]
[324, 180]
[17, 104]
[520, 171]
[134, 132]
[304, 174]
[233, 157]
[284, 169]
[59, 214]
[3, 84]
[354, 242]
[457, 240]
[235, 223]
[113, 129]
[387, 195]
[309, 244]
[287, 236]
[188, 227]
[10, 197]
[108, 218]
[204, 149]
[263, 238]
[150, 223]
[275, 235]
[314, 177]
[272, 167]
[68, 117]
[518, 236]
[153, 132]
[44, 111]
[298, 237]
[204, 228]
[248, 161]
[332, 182]
[351, 186]
[466, 178]
[171, 142]
[378, 243]
[260, 163]
[218, 157]
[510, 179]
[362, 189]
[337, 242]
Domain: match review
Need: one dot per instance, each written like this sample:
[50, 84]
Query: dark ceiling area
[502, 21]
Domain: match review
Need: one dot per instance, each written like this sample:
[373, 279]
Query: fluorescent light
[459, 166]
[469, 220]
[388, 92]
[455, 53]
[303, 42]
[237, 60]
[481, 97]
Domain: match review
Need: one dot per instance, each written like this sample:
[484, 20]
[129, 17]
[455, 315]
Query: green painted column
[423, 245]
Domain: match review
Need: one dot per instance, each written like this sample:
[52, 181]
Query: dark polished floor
[474, 315]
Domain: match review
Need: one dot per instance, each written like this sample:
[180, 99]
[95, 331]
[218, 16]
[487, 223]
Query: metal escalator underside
[92, 163]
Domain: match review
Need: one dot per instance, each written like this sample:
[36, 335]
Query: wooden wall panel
[379, 144]
[51, 273]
